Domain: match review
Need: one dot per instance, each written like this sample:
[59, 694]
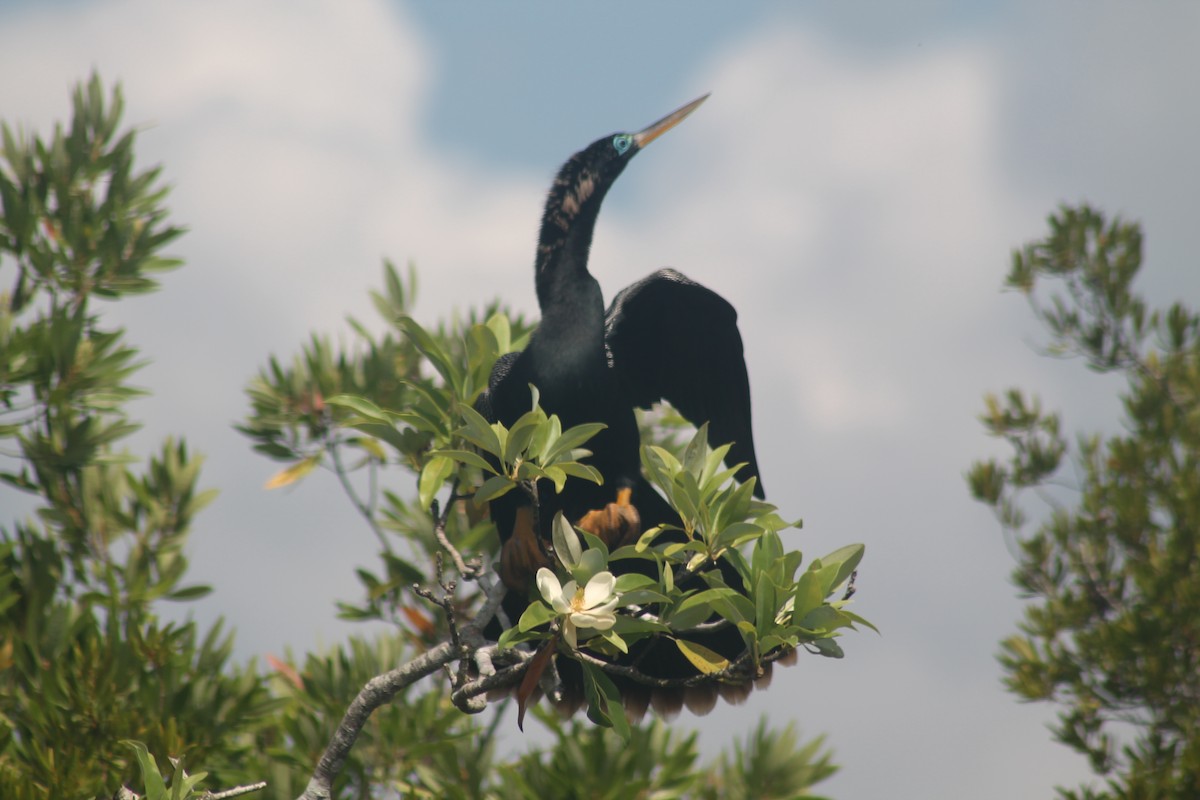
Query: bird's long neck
[570, 299]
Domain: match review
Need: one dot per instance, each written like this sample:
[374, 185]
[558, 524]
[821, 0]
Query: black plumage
[664, 337]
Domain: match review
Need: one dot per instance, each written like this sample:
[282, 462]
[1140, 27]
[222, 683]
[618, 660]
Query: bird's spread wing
[670, 338]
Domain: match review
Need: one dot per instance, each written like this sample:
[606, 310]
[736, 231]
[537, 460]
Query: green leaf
[809, 594]
[537, 614]
[433, 475]
[828, 648]
[571, 439]
[765, 604]
[576, 470]
[847, 559]
[859, 620]
[604, 701]
[492, 488]
[566, 542]
[468, 458]
[521, 433]
[737, 534]
[694, 453]
[613, 638]
[703, 659]
[190, 593]
[696, 608]
[156, 787]
[429, 347]
[632, 580]
[361, 406]
[480, 432]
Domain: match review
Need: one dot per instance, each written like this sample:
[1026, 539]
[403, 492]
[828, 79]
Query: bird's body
[663, 337]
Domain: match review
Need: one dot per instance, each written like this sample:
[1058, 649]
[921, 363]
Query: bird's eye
[622, 142]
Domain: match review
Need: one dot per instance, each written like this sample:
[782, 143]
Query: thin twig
[236, 791]
[382, 688]
[441, 517]
[367, 511]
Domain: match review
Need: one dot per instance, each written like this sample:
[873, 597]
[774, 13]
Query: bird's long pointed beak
[652, 132]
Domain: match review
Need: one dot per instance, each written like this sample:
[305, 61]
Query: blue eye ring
[622, 142]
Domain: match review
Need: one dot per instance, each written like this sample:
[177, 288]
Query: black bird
[664, 337]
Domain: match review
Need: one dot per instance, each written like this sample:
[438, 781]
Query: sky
[854, 186]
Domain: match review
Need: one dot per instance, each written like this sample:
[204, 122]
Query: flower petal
[598, 590]
[552, 590]
[600, 622]
[570, 589]
[568, 631]
[606, 608]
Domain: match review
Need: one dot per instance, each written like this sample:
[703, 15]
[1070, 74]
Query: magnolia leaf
[492, 488]
[604, 701]
[520, 433]
[570, 439]
[632, 580]
[466, 457]
[612, 638]
[823, 618]
[558, 476]
[693, 454]
[499, 325]
[856, 618]
[479, 432]
[808, 594]
[577, 470]
[847, 559]
[435, 472]
[566, 542]
[701, 657]
[828, 648]
[647, 538]
[536, 614]
[590, 563]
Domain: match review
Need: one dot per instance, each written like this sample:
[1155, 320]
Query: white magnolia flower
[589, 607]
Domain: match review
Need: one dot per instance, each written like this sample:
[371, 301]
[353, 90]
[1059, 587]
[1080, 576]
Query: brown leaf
[532, 675]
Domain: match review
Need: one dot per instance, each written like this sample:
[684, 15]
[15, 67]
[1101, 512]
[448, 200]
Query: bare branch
[379, 690]
[382, 688]
[236, 791]
[440, 517]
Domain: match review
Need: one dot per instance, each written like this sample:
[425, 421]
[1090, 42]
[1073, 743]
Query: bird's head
[588, 174]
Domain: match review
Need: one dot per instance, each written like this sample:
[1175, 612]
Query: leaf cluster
[84, 662]
[1112, 634]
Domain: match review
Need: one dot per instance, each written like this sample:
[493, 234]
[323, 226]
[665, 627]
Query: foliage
[83, 661]
[97, 693]
[1113, 632]
[771, 764]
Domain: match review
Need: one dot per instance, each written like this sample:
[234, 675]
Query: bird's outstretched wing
[670, 338]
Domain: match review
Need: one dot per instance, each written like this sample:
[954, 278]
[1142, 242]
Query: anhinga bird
[664, 337]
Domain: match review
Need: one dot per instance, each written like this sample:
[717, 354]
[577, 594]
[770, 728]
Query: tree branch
[379, 690]
[382, 688]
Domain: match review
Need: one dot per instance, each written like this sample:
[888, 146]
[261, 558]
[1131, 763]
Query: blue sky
[854, 186]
